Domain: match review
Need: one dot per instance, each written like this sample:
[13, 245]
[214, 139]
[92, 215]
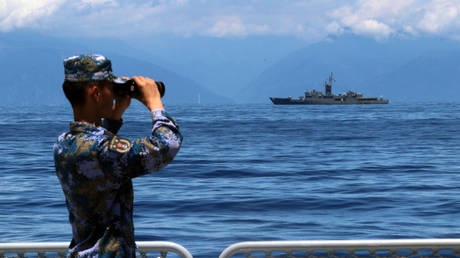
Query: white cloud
[372, 17]
[175, 2]
[409, 30]
[440, 15]
[373, 27]
[20, 13]
[97, 2]
[234, 26]
[334, 28]
[94, 3]
[311, 19]
[230, 26]
[383, 18]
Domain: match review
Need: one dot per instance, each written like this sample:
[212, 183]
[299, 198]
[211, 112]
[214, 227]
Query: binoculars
[130, 88]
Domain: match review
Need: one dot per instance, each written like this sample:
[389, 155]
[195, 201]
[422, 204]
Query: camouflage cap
[89, 67]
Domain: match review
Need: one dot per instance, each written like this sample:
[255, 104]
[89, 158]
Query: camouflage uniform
[95, 168]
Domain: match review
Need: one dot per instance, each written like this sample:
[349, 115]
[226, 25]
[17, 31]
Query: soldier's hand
[149, 94]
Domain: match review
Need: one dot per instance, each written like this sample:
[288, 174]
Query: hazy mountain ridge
[32, 71]
[434, 76]
[397, 69]
[223, 65]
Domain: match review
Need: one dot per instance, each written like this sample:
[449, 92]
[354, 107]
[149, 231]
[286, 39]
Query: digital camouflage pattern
[89, 67]
[95, 168]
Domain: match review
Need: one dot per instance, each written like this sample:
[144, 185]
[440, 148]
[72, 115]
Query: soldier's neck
[84, 114]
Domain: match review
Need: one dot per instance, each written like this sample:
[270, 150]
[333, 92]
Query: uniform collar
[79, 127]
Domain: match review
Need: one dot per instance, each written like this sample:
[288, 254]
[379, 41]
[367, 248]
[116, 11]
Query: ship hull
[328, 101]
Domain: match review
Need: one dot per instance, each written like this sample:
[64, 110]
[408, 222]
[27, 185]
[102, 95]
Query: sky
[312, 20]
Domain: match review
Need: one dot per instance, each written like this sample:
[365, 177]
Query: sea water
[256, 172]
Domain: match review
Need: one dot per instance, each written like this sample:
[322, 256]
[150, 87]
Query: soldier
[95, 166]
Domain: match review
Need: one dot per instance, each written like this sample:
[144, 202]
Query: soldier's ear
[94, 92]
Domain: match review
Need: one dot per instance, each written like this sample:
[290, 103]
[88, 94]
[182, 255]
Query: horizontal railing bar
[34, 247]
[348, 245]
[61, 247]
[157, 246]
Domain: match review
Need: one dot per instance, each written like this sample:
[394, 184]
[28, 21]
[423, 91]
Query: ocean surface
[257, 172]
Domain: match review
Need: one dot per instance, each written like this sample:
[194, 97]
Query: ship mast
[328, 85]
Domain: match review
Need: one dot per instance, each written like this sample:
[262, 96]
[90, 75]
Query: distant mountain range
[422, 69]
[401, 70]
[32, 71]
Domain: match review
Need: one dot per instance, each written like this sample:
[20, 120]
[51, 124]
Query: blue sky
[312, 20]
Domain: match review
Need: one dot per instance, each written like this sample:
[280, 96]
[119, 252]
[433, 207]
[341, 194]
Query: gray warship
[318, 98]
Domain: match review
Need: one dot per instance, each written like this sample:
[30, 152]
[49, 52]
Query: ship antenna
[331, 79]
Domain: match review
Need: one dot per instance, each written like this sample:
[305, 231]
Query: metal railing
[346, 248]
[330, 248]
[58, 249]
[144, 247]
